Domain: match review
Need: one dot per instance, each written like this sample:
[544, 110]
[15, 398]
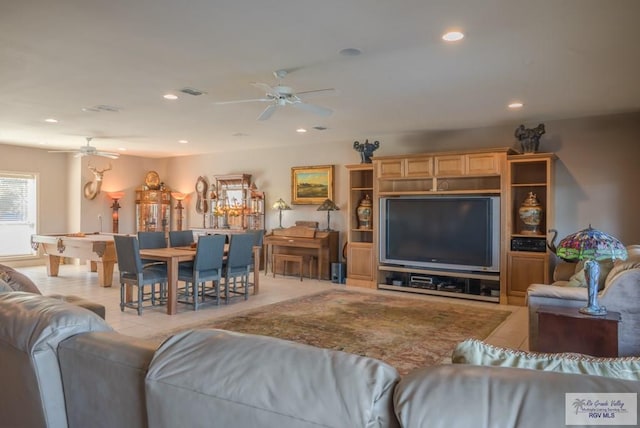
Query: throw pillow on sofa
[578, 278]
[17, 281]
[476, 352]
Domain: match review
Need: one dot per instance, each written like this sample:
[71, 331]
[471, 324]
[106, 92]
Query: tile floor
[76, 279]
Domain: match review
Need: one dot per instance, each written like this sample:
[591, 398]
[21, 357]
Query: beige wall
[596, 174]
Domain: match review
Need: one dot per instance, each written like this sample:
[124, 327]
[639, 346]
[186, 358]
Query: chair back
[152, 240]
[128, 253]
[180, 238]
[240, 250]
[258, 237]
[210, 253]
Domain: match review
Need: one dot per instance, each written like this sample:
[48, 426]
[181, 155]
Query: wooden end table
[567, 330]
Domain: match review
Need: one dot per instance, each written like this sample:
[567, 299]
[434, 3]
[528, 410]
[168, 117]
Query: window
[18, 213]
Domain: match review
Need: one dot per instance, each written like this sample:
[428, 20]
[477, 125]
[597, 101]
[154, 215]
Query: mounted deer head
[92, 188]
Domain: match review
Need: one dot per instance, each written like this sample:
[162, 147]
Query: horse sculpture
[92, 188]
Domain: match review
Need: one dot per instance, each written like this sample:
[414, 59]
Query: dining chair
[148, 240]
[134, 273]
[207, 266]
[181, 238]
[239, 264]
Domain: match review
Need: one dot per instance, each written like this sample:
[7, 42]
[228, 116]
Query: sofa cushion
[17, 281]
[578, 278]
[473, 351]
[227, 379]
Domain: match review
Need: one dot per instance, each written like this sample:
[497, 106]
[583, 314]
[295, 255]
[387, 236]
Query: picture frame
[311, 185]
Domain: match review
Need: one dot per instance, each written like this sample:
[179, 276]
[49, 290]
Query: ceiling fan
[281, 96]
[88, 150]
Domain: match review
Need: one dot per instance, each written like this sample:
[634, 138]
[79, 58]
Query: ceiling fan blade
[316, 92]
[108, 155]
[322, 111]
[268, 112]
[243, 101]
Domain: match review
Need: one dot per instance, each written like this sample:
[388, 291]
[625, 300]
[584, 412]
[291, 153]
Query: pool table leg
[105, 273]
[53, 265]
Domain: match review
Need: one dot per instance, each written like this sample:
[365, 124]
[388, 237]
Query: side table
[567, 330]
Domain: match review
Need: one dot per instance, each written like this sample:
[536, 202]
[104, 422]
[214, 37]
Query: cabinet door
[391, 168]
[525, 269]
[419, 167]
[449, 165]
[360, 261]
[483, 163]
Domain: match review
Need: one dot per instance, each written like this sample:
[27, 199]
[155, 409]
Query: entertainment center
[448, 223]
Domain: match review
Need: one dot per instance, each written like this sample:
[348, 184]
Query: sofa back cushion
[228, 379]
[31, 327]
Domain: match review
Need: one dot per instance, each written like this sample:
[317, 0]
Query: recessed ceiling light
[516, 105]
[51, 120]
[350, 52]
[170, 97]
[122, 149]
[183, 141]
[452, 36]
[301, 130]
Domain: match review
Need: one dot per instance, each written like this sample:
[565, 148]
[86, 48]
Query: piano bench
[285, 258]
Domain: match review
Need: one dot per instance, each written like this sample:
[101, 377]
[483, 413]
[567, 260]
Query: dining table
[172, 256]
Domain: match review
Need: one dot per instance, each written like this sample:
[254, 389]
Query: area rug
[407, 333]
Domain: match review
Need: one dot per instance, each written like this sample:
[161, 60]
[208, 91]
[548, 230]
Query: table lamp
[115, 196]
[281, 205]
[179, 197]
[328, 205]
[592, 246]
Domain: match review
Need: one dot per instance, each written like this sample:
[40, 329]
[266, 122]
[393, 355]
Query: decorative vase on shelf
[531, 214]
[364, 213]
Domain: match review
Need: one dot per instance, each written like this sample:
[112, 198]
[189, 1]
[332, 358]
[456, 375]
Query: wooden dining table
[174, 255]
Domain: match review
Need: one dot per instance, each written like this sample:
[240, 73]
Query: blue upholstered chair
[180, 238]
[148, 240]
[238, 266]
[133, 273]
[207, 266]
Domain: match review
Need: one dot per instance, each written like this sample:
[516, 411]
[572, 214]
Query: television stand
[459, 284]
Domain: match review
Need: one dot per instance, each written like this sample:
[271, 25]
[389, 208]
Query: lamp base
[596, 310]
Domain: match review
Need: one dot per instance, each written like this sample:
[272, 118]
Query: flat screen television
[443, 232]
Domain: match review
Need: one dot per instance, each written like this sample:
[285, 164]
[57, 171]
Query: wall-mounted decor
[311, 184]
[92, 188]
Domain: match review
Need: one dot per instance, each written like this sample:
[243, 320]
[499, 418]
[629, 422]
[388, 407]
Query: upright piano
[306, 241]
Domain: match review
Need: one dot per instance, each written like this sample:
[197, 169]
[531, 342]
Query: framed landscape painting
[311, 184]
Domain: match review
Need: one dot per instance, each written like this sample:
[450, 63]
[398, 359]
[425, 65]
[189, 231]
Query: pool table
[98, 248]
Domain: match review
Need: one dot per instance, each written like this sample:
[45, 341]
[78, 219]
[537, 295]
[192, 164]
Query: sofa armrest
[464, 396]
[563, 271]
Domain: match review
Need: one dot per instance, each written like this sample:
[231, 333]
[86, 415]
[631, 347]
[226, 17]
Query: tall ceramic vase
[531, 214]
[364, 213]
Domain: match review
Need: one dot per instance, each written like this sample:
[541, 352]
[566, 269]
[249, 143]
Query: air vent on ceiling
[192, 91]
[101, 107]
[320, 128]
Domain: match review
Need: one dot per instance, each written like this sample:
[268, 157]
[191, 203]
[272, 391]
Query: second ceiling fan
[281, 96]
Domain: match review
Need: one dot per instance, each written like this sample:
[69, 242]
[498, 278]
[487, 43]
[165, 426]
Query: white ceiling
[562, 58]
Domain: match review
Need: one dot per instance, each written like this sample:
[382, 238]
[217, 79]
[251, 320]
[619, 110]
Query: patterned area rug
[404, 332]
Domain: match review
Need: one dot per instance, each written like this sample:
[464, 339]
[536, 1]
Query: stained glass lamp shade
[591, 245]
[281, 205]
[328, 205]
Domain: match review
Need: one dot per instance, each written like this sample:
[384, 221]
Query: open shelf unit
[360, 238]
[528, 258]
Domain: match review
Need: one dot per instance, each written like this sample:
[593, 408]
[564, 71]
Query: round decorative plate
[152, 180]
